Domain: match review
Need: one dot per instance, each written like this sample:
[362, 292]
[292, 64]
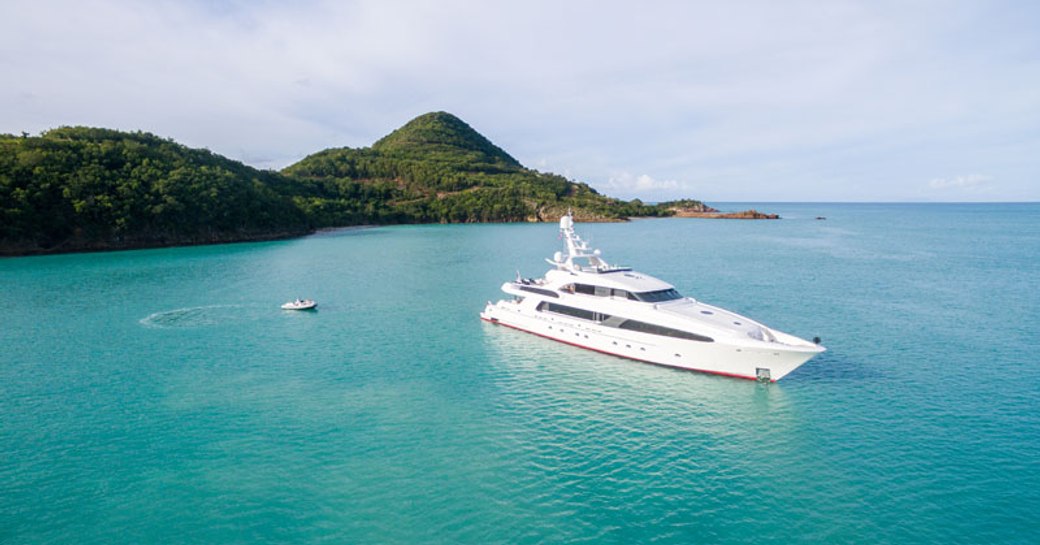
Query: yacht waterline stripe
[722, 373]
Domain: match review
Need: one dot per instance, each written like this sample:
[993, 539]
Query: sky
[824, 100]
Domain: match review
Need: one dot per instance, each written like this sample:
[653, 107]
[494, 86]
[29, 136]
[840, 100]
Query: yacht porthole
[707, 312]
[628, 346]
[678, 356]
[737, 323]
[642, 348]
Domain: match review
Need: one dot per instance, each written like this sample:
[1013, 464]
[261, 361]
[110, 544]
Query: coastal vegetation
[82, 188]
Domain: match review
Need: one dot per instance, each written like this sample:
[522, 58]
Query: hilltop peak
[437, 133]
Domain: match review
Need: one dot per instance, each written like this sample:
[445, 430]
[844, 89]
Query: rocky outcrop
[715, 214]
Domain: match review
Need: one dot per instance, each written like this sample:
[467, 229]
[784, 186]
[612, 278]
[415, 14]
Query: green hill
[436, 168]
[442, 136]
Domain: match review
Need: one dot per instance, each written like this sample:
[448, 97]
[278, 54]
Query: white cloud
[970, 182]
[626, 184]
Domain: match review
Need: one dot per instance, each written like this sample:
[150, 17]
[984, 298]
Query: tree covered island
[81, 188]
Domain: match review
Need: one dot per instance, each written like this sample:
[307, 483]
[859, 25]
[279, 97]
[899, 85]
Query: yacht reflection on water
[569, 382]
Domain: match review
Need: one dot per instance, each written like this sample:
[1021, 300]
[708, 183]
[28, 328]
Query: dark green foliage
[78, 188]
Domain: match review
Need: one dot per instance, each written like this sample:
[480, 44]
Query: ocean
[161, 396]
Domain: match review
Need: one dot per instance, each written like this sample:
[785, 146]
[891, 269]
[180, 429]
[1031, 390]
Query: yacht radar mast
[577, 249]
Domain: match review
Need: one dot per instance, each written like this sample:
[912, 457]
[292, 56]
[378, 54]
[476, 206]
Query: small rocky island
[697, 209]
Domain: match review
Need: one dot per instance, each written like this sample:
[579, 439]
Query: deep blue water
[161, 396]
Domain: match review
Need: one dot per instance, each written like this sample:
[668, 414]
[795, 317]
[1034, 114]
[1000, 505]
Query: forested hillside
[80, 188]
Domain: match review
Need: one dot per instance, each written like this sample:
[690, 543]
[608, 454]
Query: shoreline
[83, 247]
[9, 250]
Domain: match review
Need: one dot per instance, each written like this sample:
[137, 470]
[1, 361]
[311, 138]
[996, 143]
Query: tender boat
[626, 313]
[300, 304]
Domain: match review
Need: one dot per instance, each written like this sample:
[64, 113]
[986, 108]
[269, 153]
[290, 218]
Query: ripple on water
[190, 317]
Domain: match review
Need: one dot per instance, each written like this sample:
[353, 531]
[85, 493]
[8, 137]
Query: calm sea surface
[161, 396]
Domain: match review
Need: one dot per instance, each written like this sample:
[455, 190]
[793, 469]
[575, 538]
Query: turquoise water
[161, 396]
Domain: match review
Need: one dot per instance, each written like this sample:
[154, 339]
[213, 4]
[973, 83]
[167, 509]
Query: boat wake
[183, 318]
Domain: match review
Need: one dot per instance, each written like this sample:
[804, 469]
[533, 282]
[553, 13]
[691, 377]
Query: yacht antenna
[576, 247]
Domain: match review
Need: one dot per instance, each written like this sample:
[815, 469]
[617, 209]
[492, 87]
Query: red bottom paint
[497, 322]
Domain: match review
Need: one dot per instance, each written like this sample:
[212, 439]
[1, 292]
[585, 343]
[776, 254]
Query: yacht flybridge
[586, 302]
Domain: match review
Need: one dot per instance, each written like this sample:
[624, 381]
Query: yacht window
[585, 289]
[568, 311]
[598, 291]
[653, 329]
[539, 291]
[658, 296]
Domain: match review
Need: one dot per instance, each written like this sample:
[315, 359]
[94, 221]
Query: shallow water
[161, 395]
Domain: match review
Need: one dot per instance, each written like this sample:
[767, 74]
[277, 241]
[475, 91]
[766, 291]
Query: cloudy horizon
[746, 101]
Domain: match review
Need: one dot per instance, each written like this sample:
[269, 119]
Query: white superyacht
[585, 302]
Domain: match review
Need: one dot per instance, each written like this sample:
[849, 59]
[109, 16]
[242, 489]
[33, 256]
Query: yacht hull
[771, 362]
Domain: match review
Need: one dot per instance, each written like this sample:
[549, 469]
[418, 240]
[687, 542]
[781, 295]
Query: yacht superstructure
[586, 302]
